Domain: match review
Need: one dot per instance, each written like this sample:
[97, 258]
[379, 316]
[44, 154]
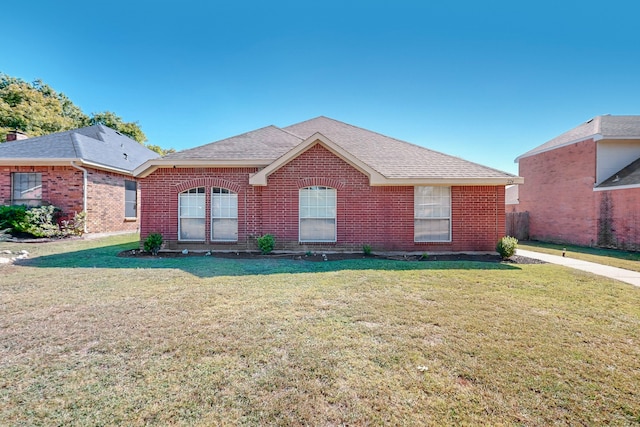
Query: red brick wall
[62, 186]
[618, 218]
[558, 194]
[105, 203]
[378, 216]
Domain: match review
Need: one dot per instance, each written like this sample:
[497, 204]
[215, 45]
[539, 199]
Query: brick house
[87, 169]
[321, 185]
[583, 187]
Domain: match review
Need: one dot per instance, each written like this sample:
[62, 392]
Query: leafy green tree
[37, 109]
[131, 129]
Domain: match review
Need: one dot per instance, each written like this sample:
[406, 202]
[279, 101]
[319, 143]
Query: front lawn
[87, 338]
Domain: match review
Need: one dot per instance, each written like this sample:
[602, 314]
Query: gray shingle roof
[605, 127]
[96, 144]
[388, 156]
[267, 143]
[630, 175]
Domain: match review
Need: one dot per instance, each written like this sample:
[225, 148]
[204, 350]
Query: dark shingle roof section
[96, 144]
[267, 143]
[630, 175]
[608, 127]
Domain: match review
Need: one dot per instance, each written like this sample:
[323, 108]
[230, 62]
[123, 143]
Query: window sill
[130, 219]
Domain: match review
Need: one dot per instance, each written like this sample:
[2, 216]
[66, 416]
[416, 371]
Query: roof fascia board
[150, 166]
[260, 178]
[617, 187]
[451, 181]
[25, 161]
[596, 137]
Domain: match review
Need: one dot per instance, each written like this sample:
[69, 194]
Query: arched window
[317, 214]
[224, 215]
[191, 214]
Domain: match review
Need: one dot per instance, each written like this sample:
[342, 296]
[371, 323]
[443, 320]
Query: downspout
[84, 190]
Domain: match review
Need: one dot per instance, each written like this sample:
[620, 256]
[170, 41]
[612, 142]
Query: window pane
[130, 199]
[192, 215]
[318, 230]
[192, 229]
[225, 229]
[317, 213]
[432, 213]
[431, 230]
[27, 188]
[224, 215]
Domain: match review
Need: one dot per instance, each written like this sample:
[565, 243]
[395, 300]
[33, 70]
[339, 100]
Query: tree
[37, 109]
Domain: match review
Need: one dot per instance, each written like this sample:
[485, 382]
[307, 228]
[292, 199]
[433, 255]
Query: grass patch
[611, 257]
[203, 341]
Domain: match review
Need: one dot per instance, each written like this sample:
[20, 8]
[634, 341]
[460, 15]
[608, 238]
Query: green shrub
[366, 249]
[75, 225]
[266, 243]
[39, 222]
[153, 243]
[507, 246]
[11, 214]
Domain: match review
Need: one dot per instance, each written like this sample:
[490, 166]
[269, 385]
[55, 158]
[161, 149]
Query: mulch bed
[318, 257]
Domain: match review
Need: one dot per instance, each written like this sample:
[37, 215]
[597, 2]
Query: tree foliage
[37, 109]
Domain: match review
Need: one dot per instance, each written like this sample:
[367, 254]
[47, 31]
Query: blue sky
[486, 81]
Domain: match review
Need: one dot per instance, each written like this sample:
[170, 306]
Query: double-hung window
[432, 214]
[130, 199]
[26, 189]
[191, 212]
[317, 214]
[224, 215]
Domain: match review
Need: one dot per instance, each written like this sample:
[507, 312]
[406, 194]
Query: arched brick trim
[207, 182]
[320, 181]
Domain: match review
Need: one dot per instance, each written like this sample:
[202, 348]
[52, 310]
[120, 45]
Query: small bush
[266, 243]
[153, 243]
[39, 222]
[75, 225]
[366, 249]
[11, 214]
[507, 246]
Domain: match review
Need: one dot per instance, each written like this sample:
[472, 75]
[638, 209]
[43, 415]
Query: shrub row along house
[583, 187]
[321, 185]
[84, 170]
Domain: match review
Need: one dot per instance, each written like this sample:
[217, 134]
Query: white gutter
[84, 191]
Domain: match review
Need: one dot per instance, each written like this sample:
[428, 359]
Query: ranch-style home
[583, 186]
[321, 185]
[82, 170]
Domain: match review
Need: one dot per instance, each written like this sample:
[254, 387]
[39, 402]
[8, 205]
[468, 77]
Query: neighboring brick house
[322, 185]
[87, 169]
[583, 187]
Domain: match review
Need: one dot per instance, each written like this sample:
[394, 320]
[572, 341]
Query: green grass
[90, 339]
[611, 257]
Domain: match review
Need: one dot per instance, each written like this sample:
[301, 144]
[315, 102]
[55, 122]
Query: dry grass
[90, 339]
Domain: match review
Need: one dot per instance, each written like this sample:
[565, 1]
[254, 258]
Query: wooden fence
[518, 225]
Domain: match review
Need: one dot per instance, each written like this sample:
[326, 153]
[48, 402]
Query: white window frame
[26, 177]
[224, 206]
[432, 207]
[324, 209]
[128, 192]
[197, 212]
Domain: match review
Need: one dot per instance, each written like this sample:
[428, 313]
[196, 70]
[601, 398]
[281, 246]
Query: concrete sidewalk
[627, 276]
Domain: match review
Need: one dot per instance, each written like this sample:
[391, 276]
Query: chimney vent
[16, 135]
